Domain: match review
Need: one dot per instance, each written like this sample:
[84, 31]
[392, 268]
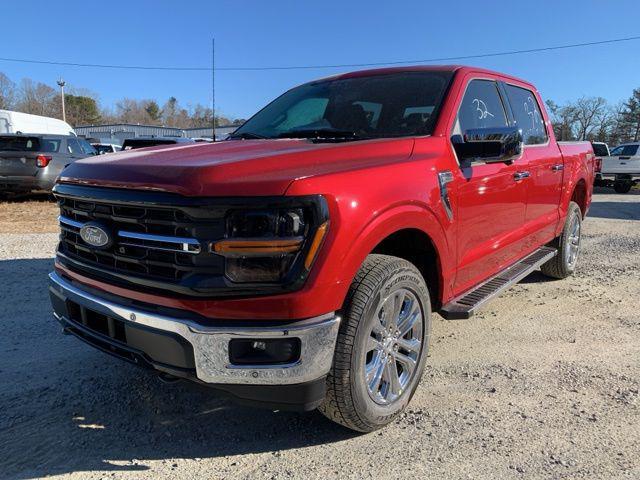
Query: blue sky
[279, 32]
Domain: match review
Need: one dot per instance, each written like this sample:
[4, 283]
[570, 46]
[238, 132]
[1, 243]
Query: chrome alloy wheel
[573, 243]
[393, 346]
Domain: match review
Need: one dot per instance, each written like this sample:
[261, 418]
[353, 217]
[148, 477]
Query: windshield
[388, 105]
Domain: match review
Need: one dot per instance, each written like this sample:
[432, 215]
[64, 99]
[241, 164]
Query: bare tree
[82, 107]
[129, 110]
[7, 92]
[38, 99]
[589, 113]
[563, 120]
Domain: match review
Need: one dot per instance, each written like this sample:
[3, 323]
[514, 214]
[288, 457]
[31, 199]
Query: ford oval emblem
[95, 235]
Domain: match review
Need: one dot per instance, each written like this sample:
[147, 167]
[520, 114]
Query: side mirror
[490, 145]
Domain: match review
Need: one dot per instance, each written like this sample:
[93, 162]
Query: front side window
[527, 115]
[73, 146]
[481, 107]
[386, 105]
[86, 147]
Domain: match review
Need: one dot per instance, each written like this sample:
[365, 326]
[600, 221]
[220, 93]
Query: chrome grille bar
[183, 244]
[70, 222]
[189, 245]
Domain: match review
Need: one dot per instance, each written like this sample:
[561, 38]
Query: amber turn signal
[315, 245]
[257, 247]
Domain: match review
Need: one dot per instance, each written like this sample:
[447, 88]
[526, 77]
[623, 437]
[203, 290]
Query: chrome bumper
[211, 344]
[614, 176]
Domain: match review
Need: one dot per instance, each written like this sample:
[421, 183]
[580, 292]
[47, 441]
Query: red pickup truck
[298, 263]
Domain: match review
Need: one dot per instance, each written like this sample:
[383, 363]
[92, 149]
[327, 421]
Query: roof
[48, 135]
[462, 69]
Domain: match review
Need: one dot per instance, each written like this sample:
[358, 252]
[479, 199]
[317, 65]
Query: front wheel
[382, 345]
[568, 245]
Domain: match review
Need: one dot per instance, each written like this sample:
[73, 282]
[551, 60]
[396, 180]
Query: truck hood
[232, 168]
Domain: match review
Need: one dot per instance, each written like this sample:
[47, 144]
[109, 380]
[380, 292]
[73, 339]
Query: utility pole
[62, 83]
[213, 86]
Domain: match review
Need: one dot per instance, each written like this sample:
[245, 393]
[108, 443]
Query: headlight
[274, 245]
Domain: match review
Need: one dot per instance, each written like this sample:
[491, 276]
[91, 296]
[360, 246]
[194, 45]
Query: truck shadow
[69, 408]
[624, 209]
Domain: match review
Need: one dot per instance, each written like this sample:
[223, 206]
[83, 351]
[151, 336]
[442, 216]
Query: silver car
[33, 162]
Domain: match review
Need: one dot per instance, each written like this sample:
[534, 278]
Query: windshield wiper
[325, 133]
[247, 136]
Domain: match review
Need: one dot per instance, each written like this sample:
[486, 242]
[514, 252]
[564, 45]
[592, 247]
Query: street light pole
[62, 83]
[213, 86]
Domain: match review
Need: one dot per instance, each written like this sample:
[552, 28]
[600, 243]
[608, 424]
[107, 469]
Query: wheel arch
[416, 247]
[579, 196]
[413, 233]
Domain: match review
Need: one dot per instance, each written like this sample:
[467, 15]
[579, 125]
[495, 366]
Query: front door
[491, 197]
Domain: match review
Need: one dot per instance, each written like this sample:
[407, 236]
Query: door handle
[521, 176]
[557, 167]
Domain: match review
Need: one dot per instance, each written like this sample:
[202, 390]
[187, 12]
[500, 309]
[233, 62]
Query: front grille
[160, 242]
[155, 243]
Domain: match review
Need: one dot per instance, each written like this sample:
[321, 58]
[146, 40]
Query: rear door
[545, 167]
[491, 200]
[18, 156]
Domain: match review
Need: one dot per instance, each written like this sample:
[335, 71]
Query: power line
[310, 67]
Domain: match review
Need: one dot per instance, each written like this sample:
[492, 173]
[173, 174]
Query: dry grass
[32, 215]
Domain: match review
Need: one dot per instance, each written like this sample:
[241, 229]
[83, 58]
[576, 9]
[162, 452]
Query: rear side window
[625, 151]
[50, 145]
[481, 107]
[527, 115]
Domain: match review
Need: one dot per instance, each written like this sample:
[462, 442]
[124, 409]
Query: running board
[465, 305]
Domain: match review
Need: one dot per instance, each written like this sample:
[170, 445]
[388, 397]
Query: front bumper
[186, 348]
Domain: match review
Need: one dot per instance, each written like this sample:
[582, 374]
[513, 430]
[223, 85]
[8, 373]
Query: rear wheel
[568, 245]
[382, 345]
[622, 186]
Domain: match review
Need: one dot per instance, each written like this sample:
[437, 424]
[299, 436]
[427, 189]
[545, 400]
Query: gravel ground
[542, 384]
[32, 214]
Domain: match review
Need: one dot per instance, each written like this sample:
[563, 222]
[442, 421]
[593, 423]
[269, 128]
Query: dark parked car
[103, 148]
[143, 142]
[33, 162]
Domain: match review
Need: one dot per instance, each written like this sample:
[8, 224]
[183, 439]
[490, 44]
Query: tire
[365, 342]
[622, 186]
[568, 245]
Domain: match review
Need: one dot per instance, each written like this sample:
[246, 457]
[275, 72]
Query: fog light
[259, 351]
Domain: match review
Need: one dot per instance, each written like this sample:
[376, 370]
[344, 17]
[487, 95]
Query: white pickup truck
[621, 169]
